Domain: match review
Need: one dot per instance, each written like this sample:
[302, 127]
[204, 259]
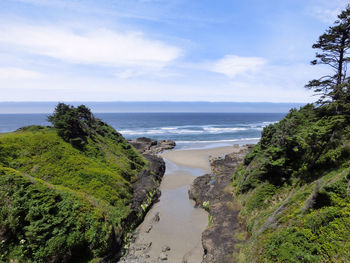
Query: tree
[334, 45]
[73, 125]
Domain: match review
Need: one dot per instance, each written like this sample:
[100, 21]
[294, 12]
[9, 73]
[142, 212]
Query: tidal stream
[172, 229]
[180, 224]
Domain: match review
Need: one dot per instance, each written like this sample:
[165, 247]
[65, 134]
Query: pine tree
[334, 46]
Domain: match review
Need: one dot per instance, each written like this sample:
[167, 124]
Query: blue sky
[156, 50]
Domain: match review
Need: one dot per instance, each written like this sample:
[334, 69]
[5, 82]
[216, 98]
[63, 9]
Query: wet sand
[181, 225]
[196, 158]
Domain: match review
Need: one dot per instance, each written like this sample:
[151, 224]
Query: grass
[57, 201]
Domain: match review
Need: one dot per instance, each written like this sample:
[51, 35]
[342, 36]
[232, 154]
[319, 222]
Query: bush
[39, 224]
[261, 197]
[291, 245]
[301, 145]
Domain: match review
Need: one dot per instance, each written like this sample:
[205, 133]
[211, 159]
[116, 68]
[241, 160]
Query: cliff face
[288, 199]
[213, 192]
[60, 203]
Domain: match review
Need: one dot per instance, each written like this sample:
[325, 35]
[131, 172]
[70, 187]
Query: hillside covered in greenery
[294, 189]
[294, 186]
[66, 191]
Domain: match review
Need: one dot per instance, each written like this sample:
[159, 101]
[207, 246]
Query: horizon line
[150, 101]
[142, 112]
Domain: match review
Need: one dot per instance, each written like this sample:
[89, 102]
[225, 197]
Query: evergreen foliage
[76, 125]
[334, 45]
[294, 189]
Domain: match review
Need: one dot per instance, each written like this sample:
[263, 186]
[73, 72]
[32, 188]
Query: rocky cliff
[213, 192]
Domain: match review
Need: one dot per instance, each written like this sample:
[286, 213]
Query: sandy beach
[196, 158]
[180, 225]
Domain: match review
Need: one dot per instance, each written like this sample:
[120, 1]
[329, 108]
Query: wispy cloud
[18, 73]
[232, 65]
[55, 3]
[327, 10]
[147, 10]
[121, 9]
[160, 50]
[100, 46]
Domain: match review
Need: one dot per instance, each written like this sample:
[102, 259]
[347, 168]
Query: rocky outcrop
[213, 192]
[139, 254]
[146, 186]
[146, 190]
[149, 146]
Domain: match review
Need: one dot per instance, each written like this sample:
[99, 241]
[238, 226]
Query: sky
[157, 106]
[161, 50]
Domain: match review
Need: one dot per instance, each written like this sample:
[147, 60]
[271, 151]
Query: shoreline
[196, 158]
[172, 229]
[203, 145]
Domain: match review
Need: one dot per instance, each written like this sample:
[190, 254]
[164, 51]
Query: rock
[146, 193]
[165, 248]
[156, 218]
[218, 239]
[146, 186]
[149, 146]
[148, 229]
[163, 256]
[143, 247]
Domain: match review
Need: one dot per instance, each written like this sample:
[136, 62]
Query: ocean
[189, 130]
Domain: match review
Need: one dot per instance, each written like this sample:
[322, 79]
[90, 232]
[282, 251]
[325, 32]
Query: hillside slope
[63, 202]
[294, 190]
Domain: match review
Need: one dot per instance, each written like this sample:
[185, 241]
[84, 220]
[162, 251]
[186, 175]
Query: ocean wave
[224, 130]
[204, 129]
[219, 141]
[159, 132]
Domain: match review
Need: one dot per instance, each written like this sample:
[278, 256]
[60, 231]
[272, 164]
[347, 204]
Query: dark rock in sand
[165, 248]
[163, 256]
[156, 218]
[213, 192]
[149, 146]
[149, 228]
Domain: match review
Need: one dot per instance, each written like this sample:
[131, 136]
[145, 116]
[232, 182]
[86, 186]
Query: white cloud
[18, 73]
[96, 89]
[232, 65]
[99, 47]
[274, 83]
[149, 73]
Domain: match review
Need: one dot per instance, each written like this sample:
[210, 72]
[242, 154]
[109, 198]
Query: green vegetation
[294, 189]
[206, 205]
[294, 186]
[64, 194]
